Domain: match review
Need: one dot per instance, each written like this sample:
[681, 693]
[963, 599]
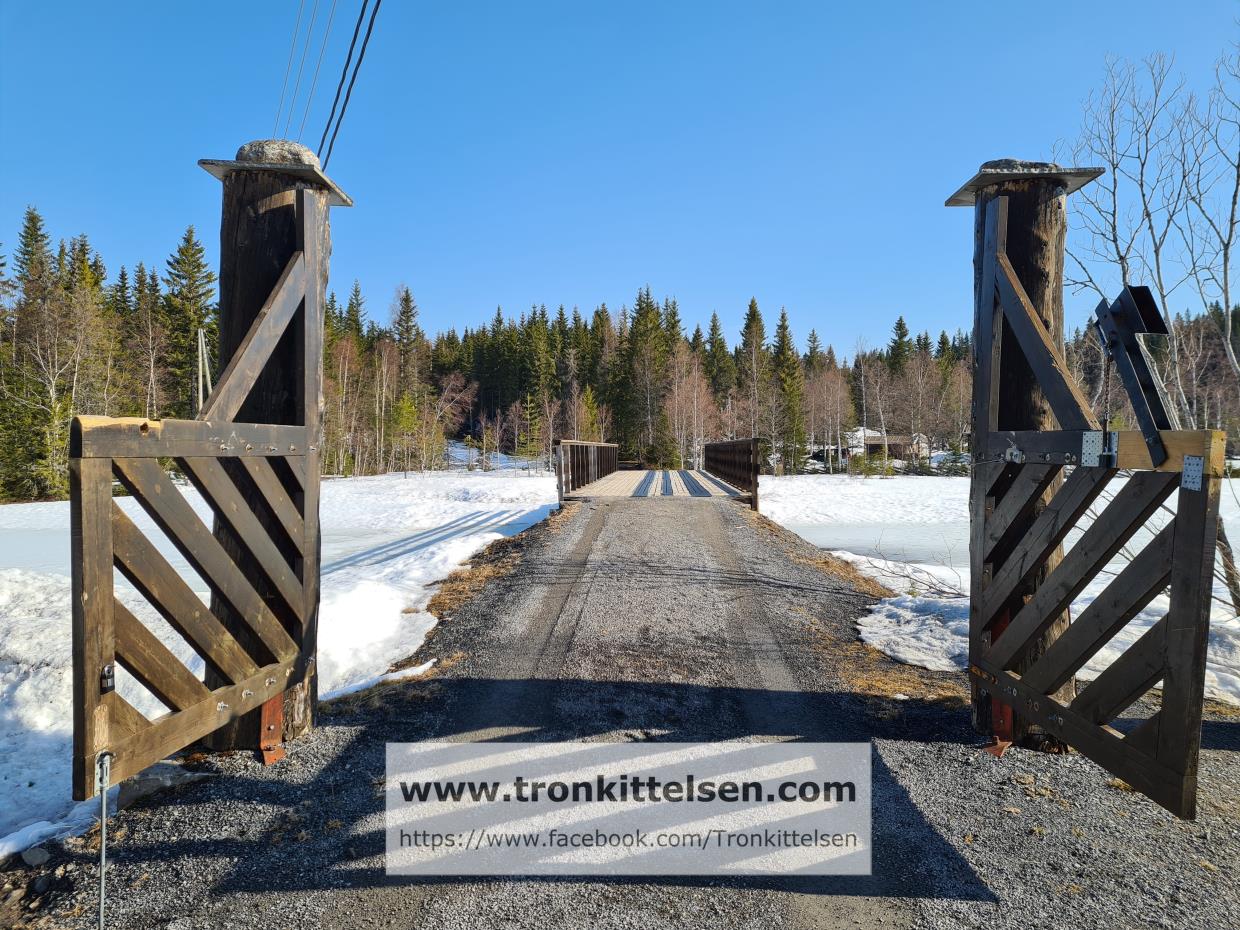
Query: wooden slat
[1119, 520]
[1047, 532]
[172, 513]
[90, 532]
[172, 732]
[1044, 357]
[159, 583]
[217, 487]
[255, 349]
[124, 721]
[270, 486]
[1127, 678]
[1135, 586]
[310, 561]
[135, 437]
[1019, 499]
[1188, 625]
[153, 664]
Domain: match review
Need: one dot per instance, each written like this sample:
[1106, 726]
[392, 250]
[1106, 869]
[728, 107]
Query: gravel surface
[668, 619]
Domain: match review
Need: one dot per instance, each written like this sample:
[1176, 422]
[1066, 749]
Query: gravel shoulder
[667, 619]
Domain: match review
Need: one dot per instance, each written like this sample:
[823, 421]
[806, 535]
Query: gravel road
[672, 619]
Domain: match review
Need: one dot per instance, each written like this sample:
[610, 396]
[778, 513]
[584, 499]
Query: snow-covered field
[385, 540]
[912, 533]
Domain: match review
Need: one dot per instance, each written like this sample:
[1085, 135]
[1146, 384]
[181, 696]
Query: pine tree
[355, 312]
[188, 306]
[120, 296]
[33, 258]
[720, 366]
[830, 364]
[813, 353]
[672, 325]
[405, 326]
[647, 372]
[752, 362]
[900, 347]
[790, 377]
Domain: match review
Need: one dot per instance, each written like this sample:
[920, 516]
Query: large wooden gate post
[261, 228]
[1006, 393]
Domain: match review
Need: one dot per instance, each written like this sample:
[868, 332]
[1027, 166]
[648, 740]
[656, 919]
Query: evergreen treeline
[75, 341]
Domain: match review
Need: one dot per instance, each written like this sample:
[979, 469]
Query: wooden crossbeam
[260, 342]
[137, 437]
[167, 734]
[1046, 532]
[1119, 520]
[1068, 404]
[1122, 682]
[1064, 447]
[141, 653]
[217, 487]
[159, 583]
[1136, 585]
[172, 513]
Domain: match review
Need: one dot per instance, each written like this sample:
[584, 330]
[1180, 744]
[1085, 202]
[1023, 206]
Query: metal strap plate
[1194, 468]
[1091, 448]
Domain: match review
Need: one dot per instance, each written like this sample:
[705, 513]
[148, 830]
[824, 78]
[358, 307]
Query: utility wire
[344, 73]
[275, 127]
[331, 14]
[292, 104]
[356, 68]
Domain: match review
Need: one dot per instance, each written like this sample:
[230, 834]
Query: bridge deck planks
[656, 483]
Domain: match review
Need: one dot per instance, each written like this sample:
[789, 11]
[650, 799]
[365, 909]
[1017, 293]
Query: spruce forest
[77, 339]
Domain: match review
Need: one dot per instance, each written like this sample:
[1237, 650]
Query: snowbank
[869, 520]
[385, 541]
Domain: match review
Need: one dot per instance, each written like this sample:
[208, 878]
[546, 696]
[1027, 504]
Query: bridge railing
[736, 462]
[580, 463]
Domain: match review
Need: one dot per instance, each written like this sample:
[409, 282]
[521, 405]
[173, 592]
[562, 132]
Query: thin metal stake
[103, 772]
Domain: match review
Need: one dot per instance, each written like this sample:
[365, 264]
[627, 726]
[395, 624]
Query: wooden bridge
[591, 469]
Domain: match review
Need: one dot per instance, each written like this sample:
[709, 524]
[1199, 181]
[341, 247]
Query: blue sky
[539, 152]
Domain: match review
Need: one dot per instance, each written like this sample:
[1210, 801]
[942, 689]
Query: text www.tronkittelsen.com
[633, 808]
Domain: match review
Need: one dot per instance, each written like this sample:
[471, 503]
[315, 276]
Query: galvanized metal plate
[1091, 448]
[1194, 469]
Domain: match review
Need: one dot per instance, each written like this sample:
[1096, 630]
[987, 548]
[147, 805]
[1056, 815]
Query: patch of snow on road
[386, 540]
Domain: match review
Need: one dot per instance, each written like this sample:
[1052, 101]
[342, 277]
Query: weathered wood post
[260, 230]
[1006, 394]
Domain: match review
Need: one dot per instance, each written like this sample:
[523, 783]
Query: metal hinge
[1194, 470]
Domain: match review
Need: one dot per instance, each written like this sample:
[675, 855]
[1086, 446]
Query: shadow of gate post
[261, 482]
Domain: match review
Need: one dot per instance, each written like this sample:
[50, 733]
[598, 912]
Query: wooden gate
[1017, 595]
[260, 560]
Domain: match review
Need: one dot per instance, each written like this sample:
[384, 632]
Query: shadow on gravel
[335, 838]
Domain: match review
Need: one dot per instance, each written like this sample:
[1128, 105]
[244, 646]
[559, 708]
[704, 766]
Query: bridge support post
[261, 228]
[1006, 393]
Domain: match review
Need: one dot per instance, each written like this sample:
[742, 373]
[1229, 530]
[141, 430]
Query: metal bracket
[1014, 455]
[1099, 449]
[1194, 470]
[107, 678]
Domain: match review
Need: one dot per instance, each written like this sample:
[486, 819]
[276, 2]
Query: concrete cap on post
[282, 156]
[1014, 169]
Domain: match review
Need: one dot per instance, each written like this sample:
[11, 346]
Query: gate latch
[107, 678]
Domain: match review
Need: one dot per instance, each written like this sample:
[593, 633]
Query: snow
[912, 534]
[386, 540]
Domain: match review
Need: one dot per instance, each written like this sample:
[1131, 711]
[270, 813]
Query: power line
[344, 73]
[331, 15]
[356, 68]
[275, 127]
[292, 104]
